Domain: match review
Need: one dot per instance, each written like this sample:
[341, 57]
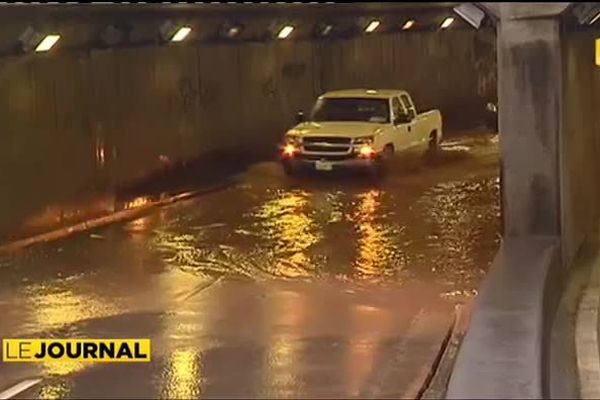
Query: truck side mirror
[300, 117]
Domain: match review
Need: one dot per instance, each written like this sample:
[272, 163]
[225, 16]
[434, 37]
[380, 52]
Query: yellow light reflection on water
[282, 362]
[138, 225]
[363, 353]
[55, 309]
[182, 375]
[57, 388]
[181, 250]
[287, 222]
[466, 216]
[54, 391]
[375, 243]
[62, 368]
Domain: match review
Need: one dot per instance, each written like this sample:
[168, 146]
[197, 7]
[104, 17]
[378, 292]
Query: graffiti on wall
[269, 88]
[207, 93]
[485, 65]
[188, 95]
[293, 70]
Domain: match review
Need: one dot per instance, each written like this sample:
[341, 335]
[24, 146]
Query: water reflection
[59, 307]
[465, 216]
[55, 390]
[62, 308]
[361, 358]
[179, 249]
[139, 225]
[378, 251]
[201, 257]
[287, 222]
[58, 387]
[285, 225]
[185, 334]
[182, 379]
[282, 364]
[374, 234]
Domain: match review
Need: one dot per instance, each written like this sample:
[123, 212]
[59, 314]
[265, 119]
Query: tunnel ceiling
[85, 26]
[242, 10]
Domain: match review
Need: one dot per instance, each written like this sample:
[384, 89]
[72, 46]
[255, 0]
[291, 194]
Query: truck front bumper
[326, 164]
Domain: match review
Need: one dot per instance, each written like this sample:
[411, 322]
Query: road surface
[321, 286]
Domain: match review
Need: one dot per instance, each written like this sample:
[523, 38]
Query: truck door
[417, 134]
[401, 130]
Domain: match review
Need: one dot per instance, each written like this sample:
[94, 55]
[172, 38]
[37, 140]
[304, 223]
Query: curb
[436, 383]
[507, 336]
[118, 216]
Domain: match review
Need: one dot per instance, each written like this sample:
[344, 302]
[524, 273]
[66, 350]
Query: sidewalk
[572, 359]
[586, 335]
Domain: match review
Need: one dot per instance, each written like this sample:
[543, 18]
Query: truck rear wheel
[433, 144]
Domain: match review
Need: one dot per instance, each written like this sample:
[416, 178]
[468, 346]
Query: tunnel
[142, 197]
[113, 68]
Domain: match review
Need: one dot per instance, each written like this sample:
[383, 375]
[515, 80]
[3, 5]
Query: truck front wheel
[382, 163]
[288, 168]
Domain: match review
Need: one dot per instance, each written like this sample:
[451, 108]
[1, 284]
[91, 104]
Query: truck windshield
[351, 109]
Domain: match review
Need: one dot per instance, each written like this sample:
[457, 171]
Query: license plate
[323, 166]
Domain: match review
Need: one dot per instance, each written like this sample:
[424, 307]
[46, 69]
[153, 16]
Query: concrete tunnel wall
[521, 328]
[77, 125]
[579, 142]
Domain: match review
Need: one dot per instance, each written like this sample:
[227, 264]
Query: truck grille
[327, 144]
[327, 157]
[327, 139]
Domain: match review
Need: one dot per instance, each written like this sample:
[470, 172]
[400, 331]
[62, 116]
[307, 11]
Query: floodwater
[320, 286]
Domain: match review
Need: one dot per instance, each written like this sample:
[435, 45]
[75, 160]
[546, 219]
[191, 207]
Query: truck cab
[359, 128]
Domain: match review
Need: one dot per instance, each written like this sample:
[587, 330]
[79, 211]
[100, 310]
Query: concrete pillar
[504, 353]
[530, 90]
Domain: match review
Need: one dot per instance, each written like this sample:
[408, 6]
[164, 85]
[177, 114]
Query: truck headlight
[293, 140]
[366, 151]
[364, 140]
[289, 150]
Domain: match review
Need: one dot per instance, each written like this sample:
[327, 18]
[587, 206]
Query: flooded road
[320, 286]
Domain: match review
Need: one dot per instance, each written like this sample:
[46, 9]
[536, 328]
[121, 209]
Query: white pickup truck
[359, 128]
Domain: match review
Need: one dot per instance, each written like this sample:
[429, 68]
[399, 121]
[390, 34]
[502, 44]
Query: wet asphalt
[320, 286]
